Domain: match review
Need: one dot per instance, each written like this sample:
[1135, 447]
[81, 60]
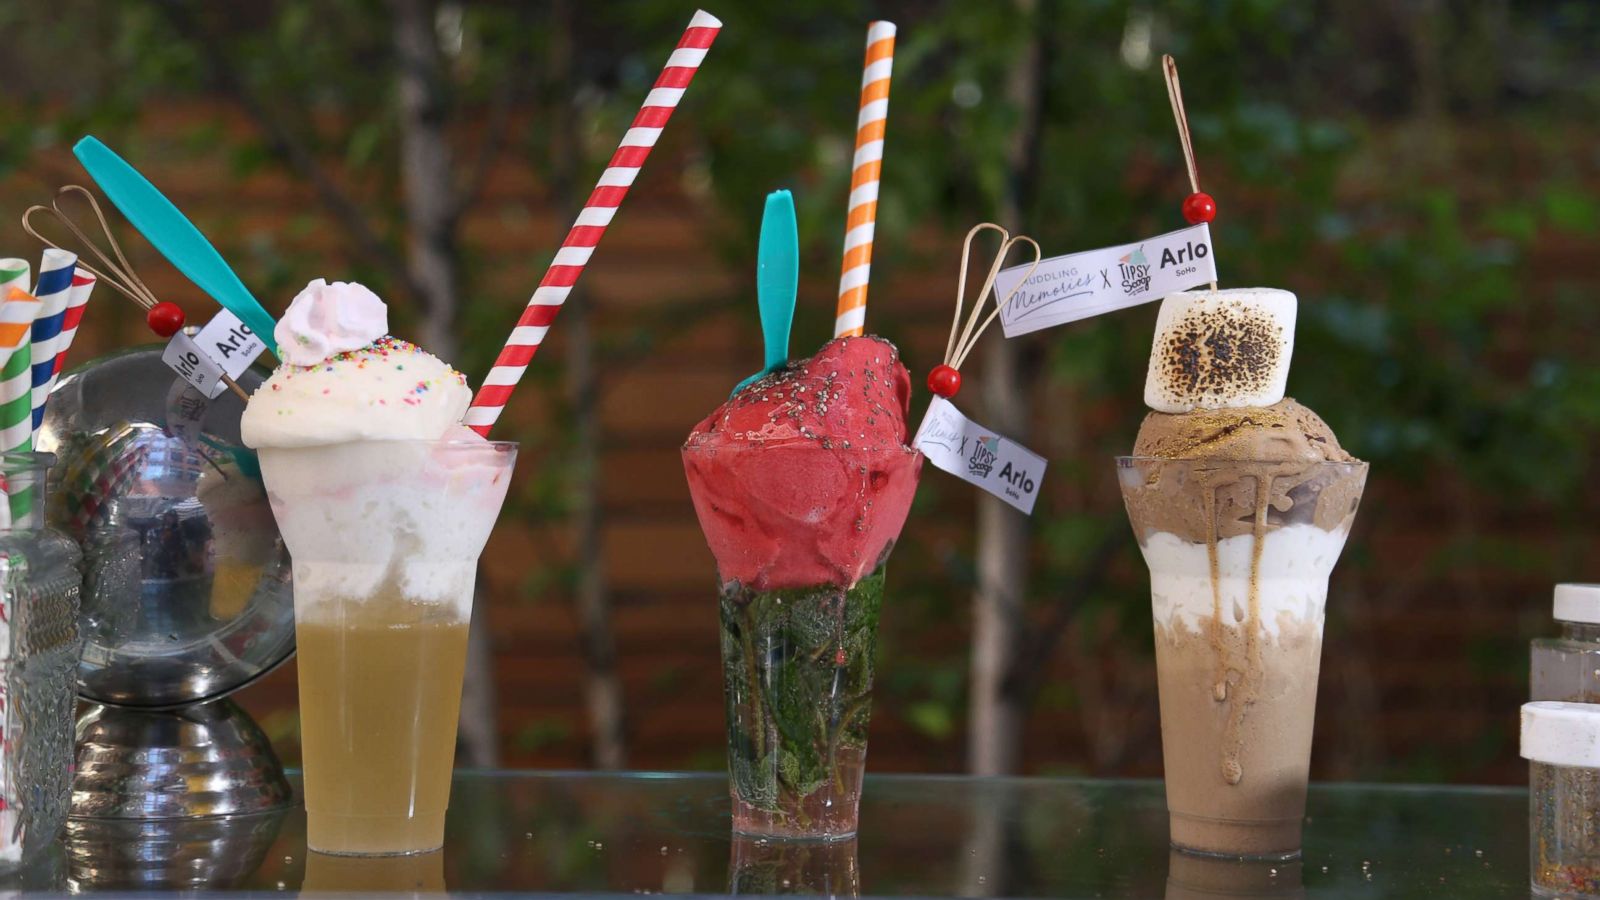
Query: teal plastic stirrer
[777, 280]
[164, 226]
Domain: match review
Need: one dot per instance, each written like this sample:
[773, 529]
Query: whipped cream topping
[343, 379]
[325, 320]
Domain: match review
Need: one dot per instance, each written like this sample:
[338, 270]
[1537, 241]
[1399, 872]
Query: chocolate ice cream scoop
[1238, 452]
[1283, 432]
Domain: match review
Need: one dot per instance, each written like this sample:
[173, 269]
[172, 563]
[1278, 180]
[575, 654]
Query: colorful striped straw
[83, 283]
[14, 273]
[17, 306]
[591, 224]
[17, 313]
[16, 422]
[16, 401]
[866, 170]
[16, 384]
[53, 290]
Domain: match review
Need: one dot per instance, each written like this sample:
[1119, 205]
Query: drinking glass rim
[26, 459]
[1128, 460]
[499, 446]
[687, 447]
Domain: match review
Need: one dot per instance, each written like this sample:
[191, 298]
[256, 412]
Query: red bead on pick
[944, 381]
[1199, 207]
[165, 319]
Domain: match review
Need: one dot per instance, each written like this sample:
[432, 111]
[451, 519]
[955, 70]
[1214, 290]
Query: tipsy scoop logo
[978, 456]
[1135, 271]
[984, 451]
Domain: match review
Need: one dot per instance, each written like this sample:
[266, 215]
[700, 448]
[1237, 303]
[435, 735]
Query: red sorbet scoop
[804, 477]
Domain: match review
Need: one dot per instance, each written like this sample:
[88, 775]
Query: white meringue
[325, 320]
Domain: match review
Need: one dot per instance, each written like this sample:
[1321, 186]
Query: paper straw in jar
[18, 309]
[591, 224]
[865, 172]
[83, 283]
[16, 419]
[54, 287]
[16, 273]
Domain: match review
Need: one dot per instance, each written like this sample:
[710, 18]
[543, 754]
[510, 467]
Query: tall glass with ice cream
[385, 503]
[801, 482]
[1241, 500]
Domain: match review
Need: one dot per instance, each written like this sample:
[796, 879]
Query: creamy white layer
[1293, 579]
[369, 519]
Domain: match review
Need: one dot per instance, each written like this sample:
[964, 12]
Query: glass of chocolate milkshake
[1241, 500]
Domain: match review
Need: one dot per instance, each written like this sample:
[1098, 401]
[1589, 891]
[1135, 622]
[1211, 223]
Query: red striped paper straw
[866, 170]
[82, 285]
[591, 224]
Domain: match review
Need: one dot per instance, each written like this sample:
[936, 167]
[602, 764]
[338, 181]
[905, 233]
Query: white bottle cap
[1561, 734]
[1578, 603]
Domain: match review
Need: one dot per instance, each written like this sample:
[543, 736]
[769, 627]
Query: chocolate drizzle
[1250, 671]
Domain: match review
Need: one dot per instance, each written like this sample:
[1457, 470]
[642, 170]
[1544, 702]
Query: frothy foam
[364, 520]
[1296, 561]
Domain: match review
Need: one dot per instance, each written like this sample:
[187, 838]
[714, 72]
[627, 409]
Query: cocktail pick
[164, 318]
[777, 280]
[945, 379]
[165, 227]
[1199, 206]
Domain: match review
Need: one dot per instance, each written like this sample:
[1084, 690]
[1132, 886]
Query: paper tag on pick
[1077, 286]
[230, 342]
[186, 412]
[184, 356]
[226, 346]
[975, 454]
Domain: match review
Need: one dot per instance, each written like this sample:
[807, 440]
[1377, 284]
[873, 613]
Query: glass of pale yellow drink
[385, 537]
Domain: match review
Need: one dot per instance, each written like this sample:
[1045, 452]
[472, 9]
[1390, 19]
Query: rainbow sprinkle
[381, 352]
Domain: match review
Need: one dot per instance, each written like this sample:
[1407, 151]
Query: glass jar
[1568, 667]
[1561, 742]
[39, 648]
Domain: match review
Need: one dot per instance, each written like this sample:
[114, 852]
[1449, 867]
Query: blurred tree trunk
[427, 176]
[997, 705]
[427, 187]
[602, 686]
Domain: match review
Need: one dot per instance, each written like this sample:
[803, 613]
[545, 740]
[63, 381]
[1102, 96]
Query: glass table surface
[635, 833]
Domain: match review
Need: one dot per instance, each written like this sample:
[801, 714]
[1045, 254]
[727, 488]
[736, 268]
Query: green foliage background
[1425, 176]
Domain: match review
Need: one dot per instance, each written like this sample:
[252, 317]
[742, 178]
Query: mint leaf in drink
[802, 769]
[755, 780]
[797, 670]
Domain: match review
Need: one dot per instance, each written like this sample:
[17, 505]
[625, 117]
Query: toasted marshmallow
[1221, 350]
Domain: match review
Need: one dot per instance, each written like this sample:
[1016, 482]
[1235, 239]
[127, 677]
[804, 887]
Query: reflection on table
[762, 866]
[924, 835]
[417, 873]
[1191, 877]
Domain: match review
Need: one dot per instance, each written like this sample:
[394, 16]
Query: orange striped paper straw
[17, 313]
[865, 174]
